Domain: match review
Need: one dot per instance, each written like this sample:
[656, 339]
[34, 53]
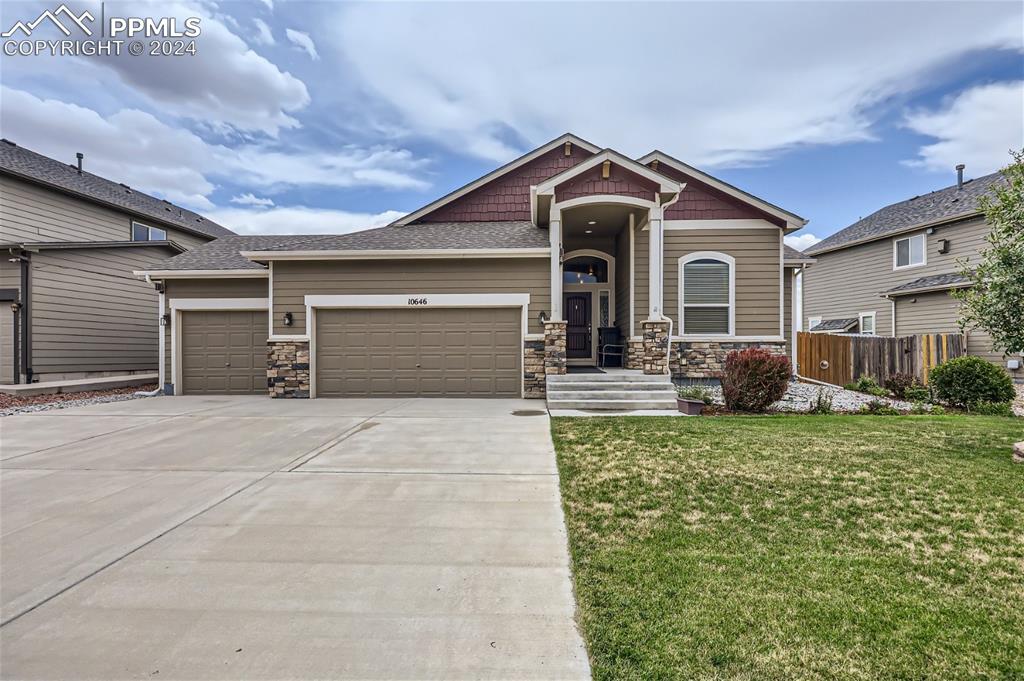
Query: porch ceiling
[608, 219]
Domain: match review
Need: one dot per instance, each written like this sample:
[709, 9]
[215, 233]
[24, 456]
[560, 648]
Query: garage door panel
[224, 352]
[427, 352]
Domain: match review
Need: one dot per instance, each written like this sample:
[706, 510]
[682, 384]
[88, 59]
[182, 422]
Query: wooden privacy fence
[840, 359]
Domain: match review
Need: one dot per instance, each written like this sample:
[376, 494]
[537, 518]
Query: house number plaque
[417, 301]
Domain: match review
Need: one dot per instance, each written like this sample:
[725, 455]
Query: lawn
[796, 547]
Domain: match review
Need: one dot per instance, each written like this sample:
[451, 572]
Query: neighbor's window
[707, 296]
[585, 269]
[141, 232]
[813, 322]
[867, 323]
[909, 251]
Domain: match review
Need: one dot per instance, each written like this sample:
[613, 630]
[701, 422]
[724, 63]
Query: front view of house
[569, 255]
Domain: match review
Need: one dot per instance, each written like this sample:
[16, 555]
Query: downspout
[661, 266]
[160, 342]
[26, 315]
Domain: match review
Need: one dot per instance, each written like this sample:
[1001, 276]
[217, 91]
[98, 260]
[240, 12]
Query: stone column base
[288, 369]
[554, 348]
[634, 358]
[655, 339]
[534, 386]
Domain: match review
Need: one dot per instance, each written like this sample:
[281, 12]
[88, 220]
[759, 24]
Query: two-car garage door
[428, 352]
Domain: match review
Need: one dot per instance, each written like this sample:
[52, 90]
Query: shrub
[866, 384]
[991, 409]
[754, 378]
[879, 408]
[967, 380]
[898, 384]
[822, 402]
[937, 410]
[917, 393]
[919, 408]
[695, 392]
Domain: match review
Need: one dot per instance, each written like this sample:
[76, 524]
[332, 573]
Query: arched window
[585, 269]
[707, 284]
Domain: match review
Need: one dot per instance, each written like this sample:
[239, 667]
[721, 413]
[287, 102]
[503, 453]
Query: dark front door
[577, 325]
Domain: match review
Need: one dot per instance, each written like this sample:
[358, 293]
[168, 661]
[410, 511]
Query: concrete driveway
[242, 537]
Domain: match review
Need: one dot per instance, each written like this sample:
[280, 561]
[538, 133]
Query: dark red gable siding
[621, 182]
[507, 197]
[700, 201]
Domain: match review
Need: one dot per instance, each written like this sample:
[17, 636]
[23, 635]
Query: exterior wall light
[165, 319]
[542, 318]
[288, 319]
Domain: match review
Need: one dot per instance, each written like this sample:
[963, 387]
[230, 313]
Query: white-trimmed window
[909, 252]
[141, 232]
[707, 300]
[866, 322]
[813, 322]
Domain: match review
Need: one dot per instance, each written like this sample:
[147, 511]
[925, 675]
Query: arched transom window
[585, 269]
[707, 298]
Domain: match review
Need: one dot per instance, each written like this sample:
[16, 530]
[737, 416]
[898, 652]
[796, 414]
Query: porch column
[655, 264]
[555, 236]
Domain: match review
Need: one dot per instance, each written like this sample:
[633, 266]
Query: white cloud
[269, 4]
[977, 128]
[263, 34]
[801, 241]
[299, 220]
[303, 42]
[716, 83]
[135, 147]
[248, 199]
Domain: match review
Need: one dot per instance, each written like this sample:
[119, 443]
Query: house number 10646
[417, 301]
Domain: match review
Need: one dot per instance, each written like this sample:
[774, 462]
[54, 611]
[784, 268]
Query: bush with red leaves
[754, 378]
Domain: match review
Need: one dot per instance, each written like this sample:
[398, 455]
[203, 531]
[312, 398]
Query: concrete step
[610, 378]
[603, 395]
[612, 405]
[615, 386]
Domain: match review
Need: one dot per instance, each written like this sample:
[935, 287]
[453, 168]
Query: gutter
[400, 254]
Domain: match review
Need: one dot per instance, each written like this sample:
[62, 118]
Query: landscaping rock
[1018, 452]
[800, 397]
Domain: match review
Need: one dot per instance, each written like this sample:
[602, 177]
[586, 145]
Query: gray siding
[757, 273]
[6, 344]
[206, 288]
[937, 312]
[640, 278]
[90, 314]
[29, 213]
[848, 282]
[294, 280]
[622, 278]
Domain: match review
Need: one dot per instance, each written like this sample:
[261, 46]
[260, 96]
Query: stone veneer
[634, 358]
[288, 369]
[533, 369]
[554, 348]
[706, 359]
[655, 339]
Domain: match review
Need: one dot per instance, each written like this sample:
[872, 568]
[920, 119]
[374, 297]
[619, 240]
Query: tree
[995, 303]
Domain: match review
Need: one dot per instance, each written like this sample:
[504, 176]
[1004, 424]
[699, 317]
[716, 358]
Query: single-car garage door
[224, 353]
[427, 352]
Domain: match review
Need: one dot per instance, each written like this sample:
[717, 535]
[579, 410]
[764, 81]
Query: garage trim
[402, 300]
[179, 305]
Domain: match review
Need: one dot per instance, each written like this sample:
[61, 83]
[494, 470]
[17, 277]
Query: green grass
[795, 547]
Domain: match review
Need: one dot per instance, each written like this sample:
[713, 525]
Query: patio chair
[610, 345]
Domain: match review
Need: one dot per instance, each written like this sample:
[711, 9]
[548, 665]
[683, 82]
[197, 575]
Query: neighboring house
[891, 273]
[70, 306]
[492, 287]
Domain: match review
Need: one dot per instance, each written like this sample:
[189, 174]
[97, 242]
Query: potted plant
[691, 399]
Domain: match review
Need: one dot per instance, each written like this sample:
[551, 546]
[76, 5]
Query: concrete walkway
[241, 537]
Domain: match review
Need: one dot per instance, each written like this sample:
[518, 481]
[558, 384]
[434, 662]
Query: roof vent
[960, 175]
[7, 141]
[126, 187]
[79, 155]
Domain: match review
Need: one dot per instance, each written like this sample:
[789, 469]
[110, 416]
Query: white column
[162, 340]
[555, 235]
[655, 264]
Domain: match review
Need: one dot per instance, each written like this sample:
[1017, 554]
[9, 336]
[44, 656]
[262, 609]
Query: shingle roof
[934, 281]
[836, 324]
[793, 254]
[947, 203]
[431, 235]
[29, 165]
[224, 253]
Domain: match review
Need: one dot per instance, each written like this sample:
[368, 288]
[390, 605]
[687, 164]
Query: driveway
[242, 537]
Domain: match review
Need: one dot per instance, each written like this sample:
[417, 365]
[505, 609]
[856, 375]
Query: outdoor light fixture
[588, 231]
[542, 317]
[287, 318]
[165, 319]
[591, 222]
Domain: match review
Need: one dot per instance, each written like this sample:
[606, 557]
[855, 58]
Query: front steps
[620, 391]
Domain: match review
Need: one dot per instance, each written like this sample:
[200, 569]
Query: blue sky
[328, 117]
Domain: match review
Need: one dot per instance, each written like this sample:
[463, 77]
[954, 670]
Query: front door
[578, 335]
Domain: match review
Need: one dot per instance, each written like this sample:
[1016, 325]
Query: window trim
[907, 237]
[149, 231]
[874, 323]
[813, 322]
[681, 293]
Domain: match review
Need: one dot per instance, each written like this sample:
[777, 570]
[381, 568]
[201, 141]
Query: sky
[329, 117]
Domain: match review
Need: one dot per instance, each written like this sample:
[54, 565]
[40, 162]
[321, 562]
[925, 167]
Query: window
[867, 322]
[813, 322]
[908, 252]
[141, 232]
[707, 302]
[585, 269]
[604, 309]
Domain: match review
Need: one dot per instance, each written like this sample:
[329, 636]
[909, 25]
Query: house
[891, 272]
[70, 306]
[491, 289]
